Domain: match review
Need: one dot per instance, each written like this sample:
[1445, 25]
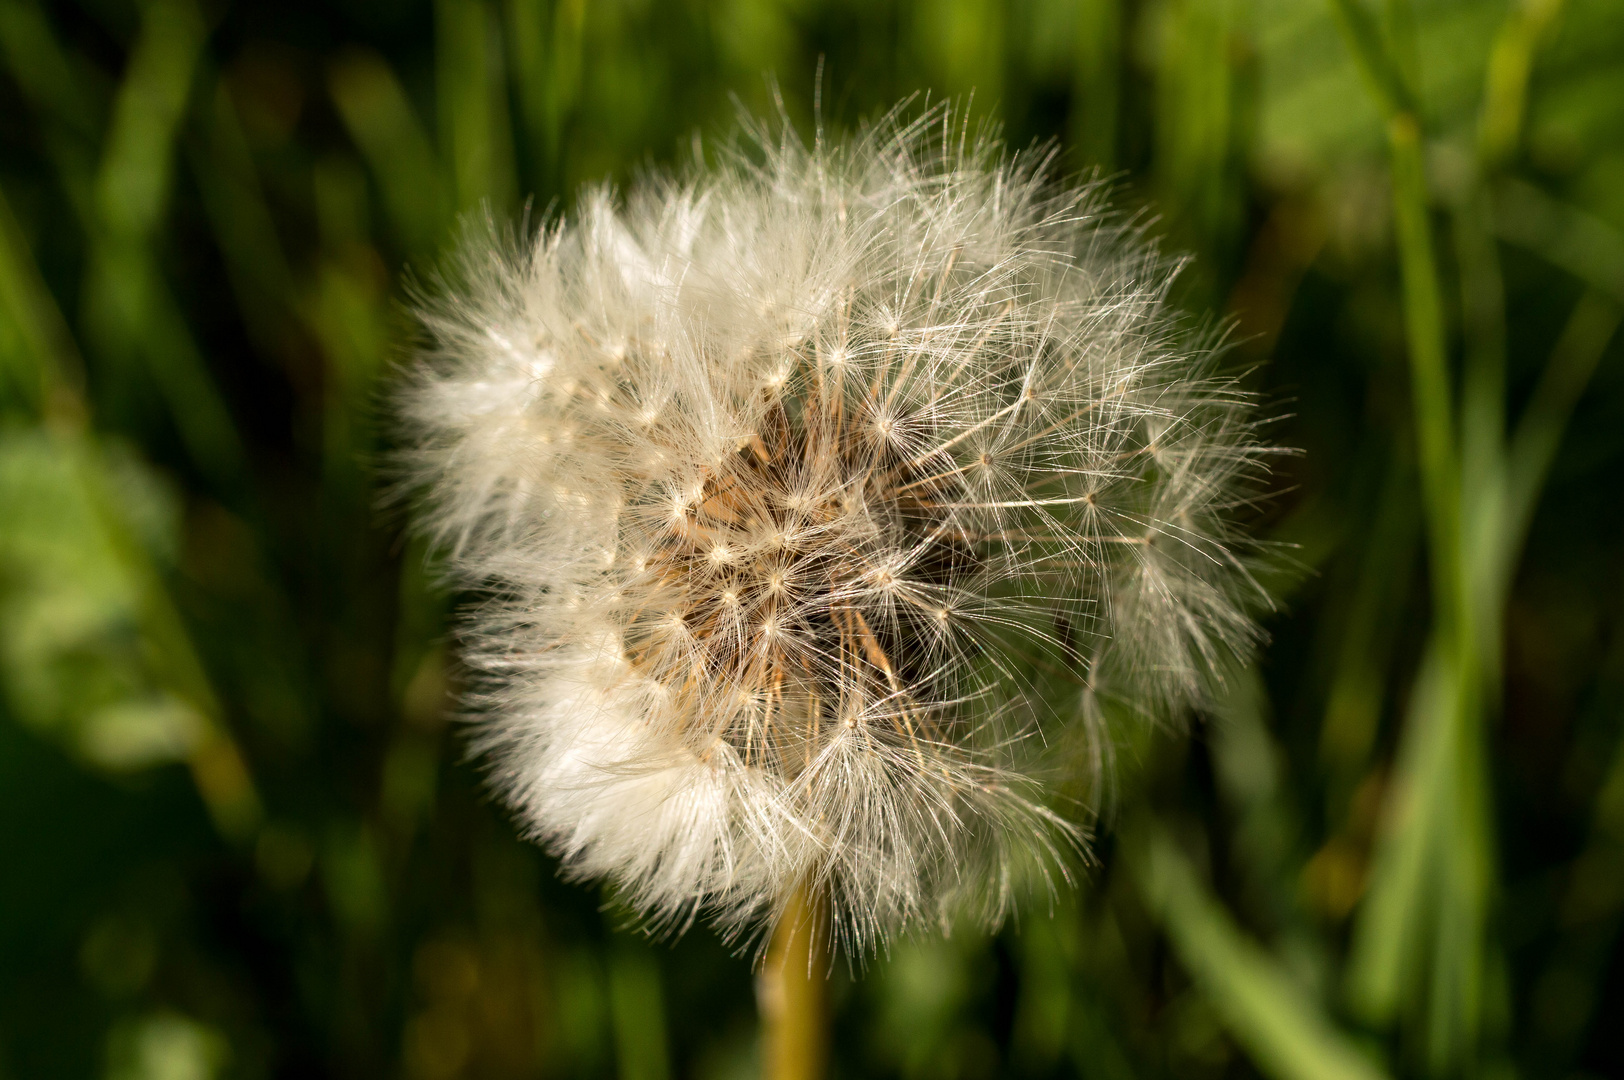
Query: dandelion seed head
[834, 480]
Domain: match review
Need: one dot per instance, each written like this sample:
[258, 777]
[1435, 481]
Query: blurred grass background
[237, 838]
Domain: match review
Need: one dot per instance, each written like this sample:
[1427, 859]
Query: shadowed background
[238, 837]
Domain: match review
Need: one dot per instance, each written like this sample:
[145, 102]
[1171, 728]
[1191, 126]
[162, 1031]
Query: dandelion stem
[792, 992]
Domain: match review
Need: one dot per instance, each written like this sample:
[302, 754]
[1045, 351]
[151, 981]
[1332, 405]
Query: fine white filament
[816, 500]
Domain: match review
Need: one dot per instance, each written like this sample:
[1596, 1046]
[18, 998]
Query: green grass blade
[1384, 956]
[1353, 701]
[545, 46]
[128, 306]
[1382, 76]
[380, 119]
[1505, 92]
[1196, 119]
[1097, 83]
[1585, 246]
[132, 187]
[1429, 363]
[346, 308]
[44, 70]
[37, 352]
[475, 133]
[1271, 1016]
[1589, 330]
[528, 37]
[70, 116]
[131, 316]
[241, 221]
[1464, 871]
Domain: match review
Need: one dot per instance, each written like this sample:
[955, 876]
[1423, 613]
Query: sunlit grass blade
[1419, 941]
[1584, 340]
[1383, 76]
[528, 36]
[1429, 364]
[244, 230]
[1353, 700]
[1270, 1015]
[1464, 865]
[1250, 769]
[1483, 396]
[1097, 83]
[133, 184]
[127, 303]
[1197, 119]
[1505, 98]
[1384, 958]
[37, 353]
[380, 119]
[546, 59]
[1582, 244]
[70, 109]
[476, 138]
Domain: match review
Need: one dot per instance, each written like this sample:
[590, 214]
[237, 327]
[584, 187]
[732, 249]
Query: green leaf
[380, 119]
[1270, 1015]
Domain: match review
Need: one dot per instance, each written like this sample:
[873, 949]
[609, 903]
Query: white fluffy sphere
[813, 496]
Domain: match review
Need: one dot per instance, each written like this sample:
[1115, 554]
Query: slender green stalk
[1353, 702]
[1582, 244]
[476, 137]
[792, 993]
[128, 304]
[1429, 365]
[1280, 1026]
[1505, 98]
[379, 117]
[1425, 914]
[1096, 83]
[1383, 77]
[1590, 328]
[1423, 927]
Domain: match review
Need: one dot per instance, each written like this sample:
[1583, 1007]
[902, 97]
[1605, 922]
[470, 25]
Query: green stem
[1590, 328]
[792, 992]
[1280, 1025]
[1429, 365]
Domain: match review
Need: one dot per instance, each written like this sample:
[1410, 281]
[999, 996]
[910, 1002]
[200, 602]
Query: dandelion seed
[860, 460]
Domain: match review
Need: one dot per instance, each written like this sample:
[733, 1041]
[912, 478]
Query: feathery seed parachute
[817, 499]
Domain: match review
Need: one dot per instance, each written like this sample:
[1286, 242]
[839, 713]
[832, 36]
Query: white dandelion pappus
[807, 493]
